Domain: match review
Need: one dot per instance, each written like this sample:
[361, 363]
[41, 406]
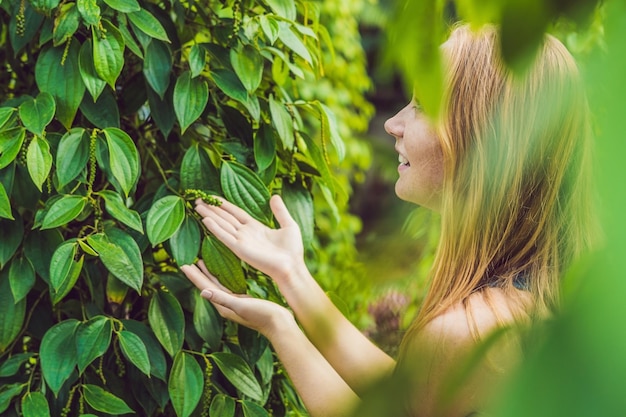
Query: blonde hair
[516, 173]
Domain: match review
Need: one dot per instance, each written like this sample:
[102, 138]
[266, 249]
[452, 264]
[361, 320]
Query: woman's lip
[403, 167]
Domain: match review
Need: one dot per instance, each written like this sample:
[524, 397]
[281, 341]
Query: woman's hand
[276, 252]
[263, 316]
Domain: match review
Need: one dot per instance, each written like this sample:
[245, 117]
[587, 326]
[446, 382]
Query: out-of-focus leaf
[248, 65]
[32, 24]
[164, 218]
[7, 393]
[89, 11]
[148, 24]
[282, 121]
[13, 233]
[185, 384]
[58, 354]
[166, 319]
[300, 205]
[293, 42]
[190, 98]
[12, 365]
[283, 8]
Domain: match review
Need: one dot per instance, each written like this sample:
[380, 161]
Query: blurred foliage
[114, 116]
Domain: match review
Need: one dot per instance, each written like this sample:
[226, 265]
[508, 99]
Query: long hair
[516, 201]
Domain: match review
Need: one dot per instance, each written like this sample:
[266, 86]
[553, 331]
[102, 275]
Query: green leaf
[164, 218]
[65, 24]
[135, 350]
[114, 204]
[37, 113]
[32, 24]
[229, 83]
[299, 202]
[129, 40]
[124, 158]
[108, 52]
[103, 113]
[245, 189]
[88, 72]
[63, 211]
[12, 313]
[72, 155]
[13, 231]
[89, 11]
[38, 160]
[61, 78]
[35, 404]
[320, 162]
[293, 42]
[5, 204]
[6, 113]
[45, 6]
[207, 322]
[248, 65]
[7, 393]
[331, 130]
[283, 123]
[197, 60]
[283, 8]
[166, 319]
[223, 264]
[190, 98]
[120, 255]
[58, 354]
[39, 247]
[222, 406]
[185, 242]
[104, 401]
[124, 6]
[92, 340]
[270, 28]
[13, 364]
[11, 141]
[162, 111]
[237, 371]
[21, 278]
[61, 265]
[185, 384]
[264, 147]
[197, 172]
[157, 66]
[148, 24]
[251, 409]
[158, 365]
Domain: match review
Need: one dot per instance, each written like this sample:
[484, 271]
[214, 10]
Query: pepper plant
[115, 115]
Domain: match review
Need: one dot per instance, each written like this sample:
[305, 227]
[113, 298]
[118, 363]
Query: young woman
[506, 167]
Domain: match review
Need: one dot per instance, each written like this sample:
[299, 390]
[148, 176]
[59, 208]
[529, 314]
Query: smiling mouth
[403, 161]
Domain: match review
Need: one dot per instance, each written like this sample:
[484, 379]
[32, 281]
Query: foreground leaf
[63, 211]
[38, 160]
[116, 208]
[245, 189]
[35, 404]
[37, 113]
[237, 371]
[167, 321]
[108, 52]
[135, 350]
[72, 155]
[164, 218]
[92, 340]
[58, 354]
[124, 158]
[185, 384]
[104, 401]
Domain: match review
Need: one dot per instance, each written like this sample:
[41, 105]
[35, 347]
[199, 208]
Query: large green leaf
[245, 189]
[108, 52]
[229, 83]
[102, 400]
[38, 160]
[35, 404]
[72, 155]
[115, 206]
[264, 147]
[13, 231]
[64, 270]
[104, 112]
[223, 264]
[185, 384]
[123, 157]
[197, 172]
[120, 255]
[135, 350]
[66, 23]
[124, 6]
[283, 123]
[207, 322]
[248, 65]
[63, 211]
[157, 66]
[190, 98]
[7, 393]
[11, 141]
[58, 354]
[222, 406]
[21, 277]
[237, 371]
[5, 204]
[45, 6]
[89, 11]
[185, 242]
[93, 338]
[88, 72]
[58, 73]
[158, 365]
[166, 319]
[148, 24]
[12, 313]
[197, 59]
[37, 113]
[164, 218]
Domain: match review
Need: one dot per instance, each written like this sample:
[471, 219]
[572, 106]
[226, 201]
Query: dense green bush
[114, 116]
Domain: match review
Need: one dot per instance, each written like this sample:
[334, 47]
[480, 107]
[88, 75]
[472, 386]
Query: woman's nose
[395, 126]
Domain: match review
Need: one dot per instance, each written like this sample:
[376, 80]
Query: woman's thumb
[280, 211]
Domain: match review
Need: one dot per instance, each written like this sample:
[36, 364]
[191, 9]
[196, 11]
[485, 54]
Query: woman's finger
[280, 211]
[225, 236]
[196, 276]
[230, 208]
[228, 225]
[228, 302]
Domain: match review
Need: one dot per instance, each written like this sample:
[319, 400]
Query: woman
[506, 168]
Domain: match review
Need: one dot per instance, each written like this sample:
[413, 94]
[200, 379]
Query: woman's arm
[279, 253]
[323, 391]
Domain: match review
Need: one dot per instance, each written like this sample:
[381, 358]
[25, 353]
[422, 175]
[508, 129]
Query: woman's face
[420, 157]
